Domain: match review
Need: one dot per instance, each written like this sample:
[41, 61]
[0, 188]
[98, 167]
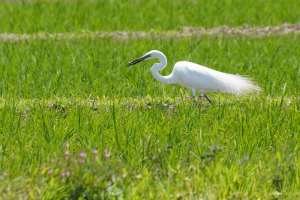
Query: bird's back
[203, 79]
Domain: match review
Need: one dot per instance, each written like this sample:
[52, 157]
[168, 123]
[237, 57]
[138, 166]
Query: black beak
[138, 60]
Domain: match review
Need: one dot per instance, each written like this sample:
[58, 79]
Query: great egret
[197, 77]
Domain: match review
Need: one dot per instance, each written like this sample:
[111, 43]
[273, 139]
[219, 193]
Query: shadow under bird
[198, 78]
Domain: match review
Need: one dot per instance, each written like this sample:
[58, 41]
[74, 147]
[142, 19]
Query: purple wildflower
[82, 154]
[67, 152]
[95, 151]
[4, 174]
[124, 175]
[50, 171]
[67, 145]
[81, 161]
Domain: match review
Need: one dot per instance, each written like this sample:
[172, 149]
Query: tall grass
[76, 123]
[102, 15]
[241, 146]
[97, 67]
[81, 92]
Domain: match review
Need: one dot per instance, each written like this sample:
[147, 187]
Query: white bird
[198, 78]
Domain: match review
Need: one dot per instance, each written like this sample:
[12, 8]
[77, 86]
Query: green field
[155, 15]
[152, 140]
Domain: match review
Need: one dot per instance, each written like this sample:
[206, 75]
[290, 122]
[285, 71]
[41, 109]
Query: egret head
[149, 55]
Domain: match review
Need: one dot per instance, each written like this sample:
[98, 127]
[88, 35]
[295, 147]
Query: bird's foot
[208, 99]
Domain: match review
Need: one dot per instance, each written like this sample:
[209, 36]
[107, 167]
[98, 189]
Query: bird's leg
[208, 99]
[196, 103]
[194, 100]
[194, 95]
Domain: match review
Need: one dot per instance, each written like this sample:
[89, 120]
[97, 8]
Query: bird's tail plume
[241, 85]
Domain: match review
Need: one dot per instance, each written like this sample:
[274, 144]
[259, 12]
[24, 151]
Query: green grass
[105, 15]
[245, 147]
[79, 91]
[241, 147]
[97, 67]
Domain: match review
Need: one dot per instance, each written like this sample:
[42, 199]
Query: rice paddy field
[76, 123]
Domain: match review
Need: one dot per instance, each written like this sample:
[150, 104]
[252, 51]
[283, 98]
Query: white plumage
[197, 77]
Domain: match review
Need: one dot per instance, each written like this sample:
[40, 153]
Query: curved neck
[160, 66]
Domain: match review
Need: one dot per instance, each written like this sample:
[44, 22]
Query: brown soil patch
[245, 30]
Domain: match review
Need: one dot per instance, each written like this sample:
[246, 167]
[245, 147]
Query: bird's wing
[205, 80]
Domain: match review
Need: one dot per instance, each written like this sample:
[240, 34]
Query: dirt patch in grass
[245, 30]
